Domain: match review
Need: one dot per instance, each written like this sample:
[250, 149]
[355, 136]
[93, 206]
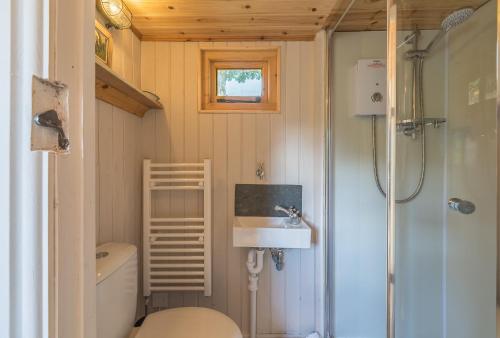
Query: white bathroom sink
[270, 232]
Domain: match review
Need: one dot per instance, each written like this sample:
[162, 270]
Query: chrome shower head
[456, 18]
[453, 20]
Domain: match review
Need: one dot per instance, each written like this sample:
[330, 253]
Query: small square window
[239, 83]
[239, 80]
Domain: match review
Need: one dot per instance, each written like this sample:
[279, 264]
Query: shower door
[442, 164]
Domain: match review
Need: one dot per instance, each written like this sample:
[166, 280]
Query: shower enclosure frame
[391, 121]
[391, 129]
[391, 142]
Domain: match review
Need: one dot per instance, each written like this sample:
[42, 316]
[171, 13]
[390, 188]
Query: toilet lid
[188, 322]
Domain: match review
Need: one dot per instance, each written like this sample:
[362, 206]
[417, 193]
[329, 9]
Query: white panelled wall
[290, 302]
[120, 153]
[119, 156]
[285, 142]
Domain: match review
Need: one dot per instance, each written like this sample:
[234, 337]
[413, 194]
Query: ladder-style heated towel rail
[177, 251]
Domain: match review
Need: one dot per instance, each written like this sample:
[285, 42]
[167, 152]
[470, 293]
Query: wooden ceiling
[367, 15]
[225, 20]
[250, 20]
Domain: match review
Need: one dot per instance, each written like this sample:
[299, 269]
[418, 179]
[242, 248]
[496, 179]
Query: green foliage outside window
[240, 75]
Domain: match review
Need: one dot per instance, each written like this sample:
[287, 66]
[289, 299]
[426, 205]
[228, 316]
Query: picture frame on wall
[103, 44]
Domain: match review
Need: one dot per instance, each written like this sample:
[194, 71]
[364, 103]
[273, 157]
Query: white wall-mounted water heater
[371, 87]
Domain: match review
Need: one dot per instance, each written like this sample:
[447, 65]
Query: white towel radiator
[177, 251]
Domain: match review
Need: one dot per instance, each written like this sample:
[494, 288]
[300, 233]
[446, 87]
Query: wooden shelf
[113, 89]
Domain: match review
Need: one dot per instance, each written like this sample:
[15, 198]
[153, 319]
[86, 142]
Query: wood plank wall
[119, 171]
[290, 302]
[290, 144]
[119, 157]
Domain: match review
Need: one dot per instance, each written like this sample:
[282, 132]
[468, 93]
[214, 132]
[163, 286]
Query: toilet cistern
[293, 213]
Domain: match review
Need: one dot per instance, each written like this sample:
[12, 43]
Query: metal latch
[49, 115]
[49, 119]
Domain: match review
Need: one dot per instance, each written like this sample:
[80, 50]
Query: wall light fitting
[117, 12]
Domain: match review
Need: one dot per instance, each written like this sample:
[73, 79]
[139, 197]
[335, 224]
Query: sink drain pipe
[255, 263]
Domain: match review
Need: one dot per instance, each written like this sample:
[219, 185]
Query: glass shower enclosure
[414, 230]
[445, 240]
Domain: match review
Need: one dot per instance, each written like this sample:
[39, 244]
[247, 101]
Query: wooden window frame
[267, 59]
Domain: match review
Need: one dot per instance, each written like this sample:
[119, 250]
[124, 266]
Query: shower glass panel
[445, 242]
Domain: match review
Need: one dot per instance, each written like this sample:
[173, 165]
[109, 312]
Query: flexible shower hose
[418, 68]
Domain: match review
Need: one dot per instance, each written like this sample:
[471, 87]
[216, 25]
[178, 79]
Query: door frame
[47, 204]
[72, 306]
[5, 144]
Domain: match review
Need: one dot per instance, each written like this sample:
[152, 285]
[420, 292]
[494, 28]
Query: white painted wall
[359, 210]
[290, 145]
[126, 53]
[472, 174]
[119, 173]
[27, 176]
[359, 220]
[5, 172]
[119, 156]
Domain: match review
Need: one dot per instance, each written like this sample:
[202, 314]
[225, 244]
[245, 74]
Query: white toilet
[117, 300]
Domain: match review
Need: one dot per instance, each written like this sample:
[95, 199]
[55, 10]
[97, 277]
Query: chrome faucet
[294, 215]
